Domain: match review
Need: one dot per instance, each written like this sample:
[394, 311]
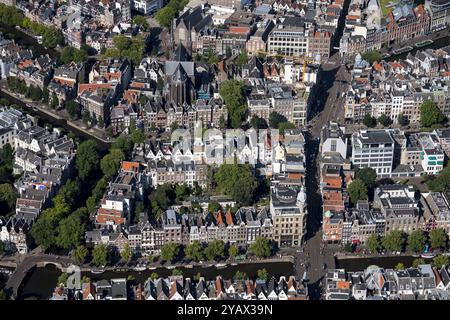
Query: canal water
[40, 282]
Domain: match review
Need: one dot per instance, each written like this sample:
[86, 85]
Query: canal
[40, 282]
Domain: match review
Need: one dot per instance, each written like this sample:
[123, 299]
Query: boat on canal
[97, 271]
[402, 50]
[423, 43]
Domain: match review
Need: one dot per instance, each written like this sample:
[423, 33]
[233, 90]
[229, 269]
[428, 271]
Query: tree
[373, 243]
[194, 251]
[137, 136]
[399, 266]
[70, 232]
[233, 251]
[70, 54]
[233, 94]
[384, 120]
[165, 16]
[416, 241]
[101, 122]
[8, 194]
[240, 275]
[177, 272]
[357, 191]
[430, 114]
[43, 231]
[262, 274]
[275, 119]
[258, 123]
[54, 103]
[261, 247]
[110, 163]
[283, 126]
[170, 251]
[141, 21]
[3, 295]
[372, 56]
[86, 117]
[80, 254]
[126, 253]
[417, 262]
[87, 158]
[440, 261]
[369, 121]
[367, 176]
[73, 109]
[154, 276]
[242, 59]
[237, 181]
[197, 276]
[215, 250]
[100, 255]
[440, 183]
[438, 238]
[348, 247]
[2, 248]
[62, 279]
[402, 120]
[394, 241]
[45, 95]
[214, 206]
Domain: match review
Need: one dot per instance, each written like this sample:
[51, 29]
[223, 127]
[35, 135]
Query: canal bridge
[29, 262]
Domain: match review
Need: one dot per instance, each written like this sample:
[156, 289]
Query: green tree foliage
[177, 272]
[402, 119]
[79, 254]
[70, 54]
[73, 109]
[275, 119]
[100, 255]
[170, 251]
[242, 59]
[438, 238]
[372, 56]
[165, 16]
[416, 241]
[394, 241]
[261, 247]
[194, 251]
[54, 102]
[258, 123]
[430, 114]
[237, 181]
[126, 253]
[141, 21]
[373, 243]
[384, 120]
[233, 251]
[137, 136]
[262, 274]
[240, 275]
[440, 261]
[233, 94]
[70, 232]
[215, 250]
[87, 159]
[43, 230]
[125, 47]
[51, 36]
[440, 183]
[62, 279]
[399, 266]
[417, 262]
[182, 192]
[214, 206]
[154, 276]
[367, 176]
[357, 190]
[8, 195]
[2, 248]
[369, 121]
[110, 163]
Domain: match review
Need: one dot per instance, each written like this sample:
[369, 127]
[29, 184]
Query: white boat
[171, 267]
[139, 268]
[97, 271]
[428, 255]
[221, 265]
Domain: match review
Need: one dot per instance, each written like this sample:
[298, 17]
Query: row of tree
[125, 47]
[396, 240]
[31, 92]
[214, 250]
[165, 15]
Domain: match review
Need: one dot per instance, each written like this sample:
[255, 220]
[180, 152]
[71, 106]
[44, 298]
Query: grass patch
[385, 6]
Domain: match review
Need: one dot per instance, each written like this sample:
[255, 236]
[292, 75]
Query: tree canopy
[233, 94]
[110, 163]
[430, 114]
[438, 238]
[373, 243]
[394, 241]
[357, 190]
[100, 255]
[367, 176]
[416, 241]
[369, 121]
[87, 159]
[194, 251]
[237, 181]
[261, 247]
[384, 120]
[125, 47]
[372, 56]
[215, 250]
[440, 183]
[141, 21]
[170, 251]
